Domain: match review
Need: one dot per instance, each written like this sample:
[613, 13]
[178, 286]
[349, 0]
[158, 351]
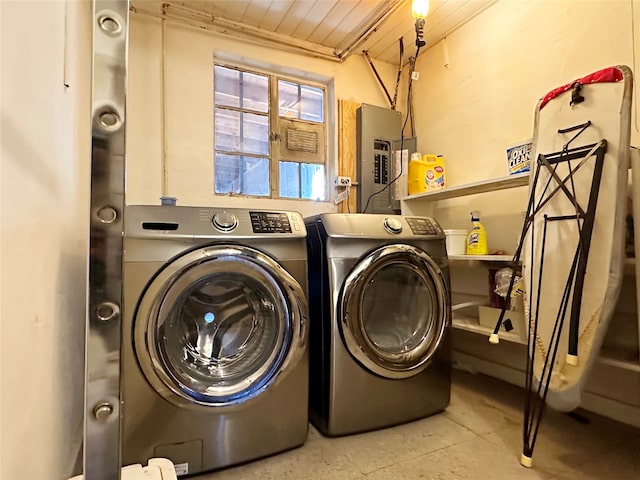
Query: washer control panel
[422, 226]
[201, 223]
[270, 222]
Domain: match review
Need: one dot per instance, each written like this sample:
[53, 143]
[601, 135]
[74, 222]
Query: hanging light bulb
[419, 8]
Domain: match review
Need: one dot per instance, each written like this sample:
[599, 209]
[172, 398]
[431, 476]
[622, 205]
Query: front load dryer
[379, 299]
[215, 330]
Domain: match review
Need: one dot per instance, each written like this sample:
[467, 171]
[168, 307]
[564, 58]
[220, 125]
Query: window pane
[255, 134]
[300, 101]
[241, 132]
[227, 173]
[227, 86]
[255, 176]
[312, 104]
[255, 92]
[244, 90]
[289, 180]
[312, 181]
[241, 175]
[288, 99]
[227, 130]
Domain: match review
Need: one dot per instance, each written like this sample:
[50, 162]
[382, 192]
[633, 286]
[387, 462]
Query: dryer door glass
[221, 327]
[395, 309]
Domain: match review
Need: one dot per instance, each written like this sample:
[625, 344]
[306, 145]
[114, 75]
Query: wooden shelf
[619, 363]
[482, 258]
[470, 324]
[607, 356]
[510, 181]
[624, 358]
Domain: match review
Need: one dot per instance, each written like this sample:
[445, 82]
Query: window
[269, 136]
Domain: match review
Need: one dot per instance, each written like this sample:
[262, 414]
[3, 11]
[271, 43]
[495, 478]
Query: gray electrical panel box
[377, 138]
[377, 128]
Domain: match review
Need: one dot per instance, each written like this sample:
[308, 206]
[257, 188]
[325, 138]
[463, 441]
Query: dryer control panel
[270, 222]
[422, 226]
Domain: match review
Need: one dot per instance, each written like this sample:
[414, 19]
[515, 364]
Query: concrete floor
[478, 437]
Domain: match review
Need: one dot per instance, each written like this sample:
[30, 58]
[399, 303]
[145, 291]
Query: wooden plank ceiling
[332, 29]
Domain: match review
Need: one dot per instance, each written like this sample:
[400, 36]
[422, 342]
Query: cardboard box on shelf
[519, 157]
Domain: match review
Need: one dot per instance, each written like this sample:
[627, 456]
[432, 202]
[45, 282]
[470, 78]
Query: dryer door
[218, 325]
[394, 309]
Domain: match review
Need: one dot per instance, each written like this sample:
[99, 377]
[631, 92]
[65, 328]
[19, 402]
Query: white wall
[189, 54]
[500, 63]
[45, 133]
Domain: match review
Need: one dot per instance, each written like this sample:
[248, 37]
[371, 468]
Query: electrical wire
[410, 108]
[404, 124]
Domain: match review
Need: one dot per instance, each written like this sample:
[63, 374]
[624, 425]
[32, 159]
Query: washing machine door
[219, 325]
[393, 310]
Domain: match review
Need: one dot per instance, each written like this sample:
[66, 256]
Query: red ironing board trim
[610, 74]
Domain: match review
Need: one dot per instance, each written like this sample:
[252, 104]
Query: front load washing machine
[379, 299]
[215, 330]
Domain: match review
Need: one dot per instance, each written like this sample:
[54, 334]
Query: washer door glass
[394, 310]
[219, 325]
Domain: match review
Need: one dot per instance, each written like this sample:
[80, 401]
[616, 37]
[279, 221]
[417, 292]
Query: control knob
[392, 225]
[225, 221]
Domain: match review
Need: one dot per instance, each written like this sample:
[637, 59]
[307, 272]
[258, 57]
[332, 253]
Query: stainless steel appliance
[214, 351]
[379, 300]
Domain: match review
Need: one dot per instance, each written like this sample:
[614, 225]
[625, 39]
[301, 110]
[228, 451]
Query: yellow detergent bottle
[434, 173]
[415, 176]
[477, 238]
[426, 173]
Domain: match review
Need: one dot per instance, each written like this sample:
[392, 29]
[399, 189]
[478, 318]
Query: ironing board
[572, 241]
